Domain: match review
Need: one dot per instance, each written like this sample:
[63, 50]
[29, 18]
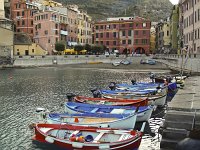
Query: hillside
[100, 9]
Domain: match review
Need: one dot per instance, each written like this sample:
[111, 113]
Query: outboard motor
[133, 81]
[40, 115]
[112, 86]
[96, 93]
[70, 96]
[152, 77]
[168, 79]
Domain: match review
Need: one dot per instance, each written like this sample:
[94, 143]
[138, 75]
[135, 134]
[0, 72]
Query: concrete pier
[182, 111]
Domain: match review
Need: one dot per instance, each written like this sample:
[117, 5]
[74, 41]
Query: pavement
[188, 98]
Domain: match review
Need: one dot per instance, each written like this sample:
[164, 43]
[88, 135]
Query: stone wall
[191, 63]
[69, 59]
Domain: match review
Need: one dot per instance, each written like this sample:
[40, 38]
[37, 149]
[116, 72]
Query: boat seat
[117, 111]
[124, 137]
[98, 137]
[74, 133]
[94, 110]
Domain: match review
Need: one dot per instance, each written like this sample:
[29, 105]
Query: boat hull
[129, 144]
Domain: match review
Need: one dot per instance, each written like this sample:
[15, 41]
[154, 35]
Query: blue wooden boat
[143, 112]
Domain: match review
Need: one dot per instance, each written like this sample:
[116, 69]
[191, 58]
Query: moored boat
[120, 121]
[143, 112]
[110, 101]
[87, 138]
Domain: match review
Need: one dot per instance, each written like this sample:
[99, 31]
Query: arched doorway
[140, 50]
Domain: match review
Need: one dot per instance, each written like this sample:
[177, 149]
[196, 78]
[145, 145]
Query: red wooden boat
[112, 101]
[87, 138]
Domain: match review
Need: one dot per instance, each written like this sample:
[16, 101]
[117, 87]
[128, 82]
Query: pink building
[22, 15]
[131, 33]
[46, 30]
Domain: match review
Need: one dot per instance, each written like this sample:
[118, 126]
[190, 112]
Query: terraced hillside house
[22, 14]
[124, 33]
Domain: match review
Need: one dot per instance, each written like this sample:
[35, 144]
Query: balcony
[63, 32]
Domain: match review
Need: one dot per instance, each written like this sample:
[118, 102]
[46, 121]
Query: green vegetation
[101, 9]
[60, 46]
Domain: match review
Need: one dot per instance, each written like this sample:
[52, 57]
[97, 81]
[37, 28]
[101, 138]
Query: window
[18, 13]
[22, 13]
[129, 42]
[39, 26]
[136, 41]
[56, 32]
[97, 27]
[144, 32]
[31, 31]
[123, 25]
[144, 25]
[131, 25]
[31, 22]
[49, 40]
[101, 35]
[97, 35]
[144, 41]
[18, 5]
[56, 25]
[46, 32]
[129, 32]
[101, 42]
[107, 34]
[114, 43]
[167, 33]
[123, 41]
[107, 42]
[18, 23]
[114, 26]
[23, 22]
[123, 33]
[32, 50]
[114, 34]
[101, 26]
[136, 32]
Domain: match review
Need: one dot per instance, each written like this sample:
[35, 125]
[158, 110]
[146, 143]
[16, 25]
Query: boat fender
[104, 126]
[49, 139]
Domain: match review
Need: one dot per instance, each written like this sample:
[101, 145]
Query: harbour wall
[174, 62]
[70, 59]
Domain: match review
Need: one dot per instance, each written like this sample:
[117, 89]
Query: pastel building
[84, 28]
[163, 42]
[47, 30]
[22, 14]
[131, 33]
[190, 22]
[2, 12]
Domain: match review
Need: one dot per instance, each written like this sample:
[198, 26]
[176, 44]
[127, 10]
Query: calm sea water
[23, 90]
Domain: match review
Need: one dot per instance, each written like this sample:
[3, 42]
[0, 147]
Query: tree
[78, 48]
[88, 47]
[97, 49]
[60, 46]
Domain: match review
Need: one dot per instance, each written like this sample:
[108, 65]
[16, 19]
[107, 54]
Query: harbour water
[23, 90]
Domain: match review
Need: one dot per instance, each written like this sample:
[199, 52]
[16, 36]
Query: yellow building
[153, 37]
[23, 46]
[6, 38]
[28, 50]
[51, 3]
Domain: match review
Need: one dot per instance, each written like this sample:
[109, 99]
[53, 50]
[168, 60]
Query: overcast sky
[174, 1]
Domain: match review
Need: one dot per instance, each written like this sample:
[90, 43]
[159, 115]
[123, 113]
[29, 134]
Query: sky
[174, 1]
